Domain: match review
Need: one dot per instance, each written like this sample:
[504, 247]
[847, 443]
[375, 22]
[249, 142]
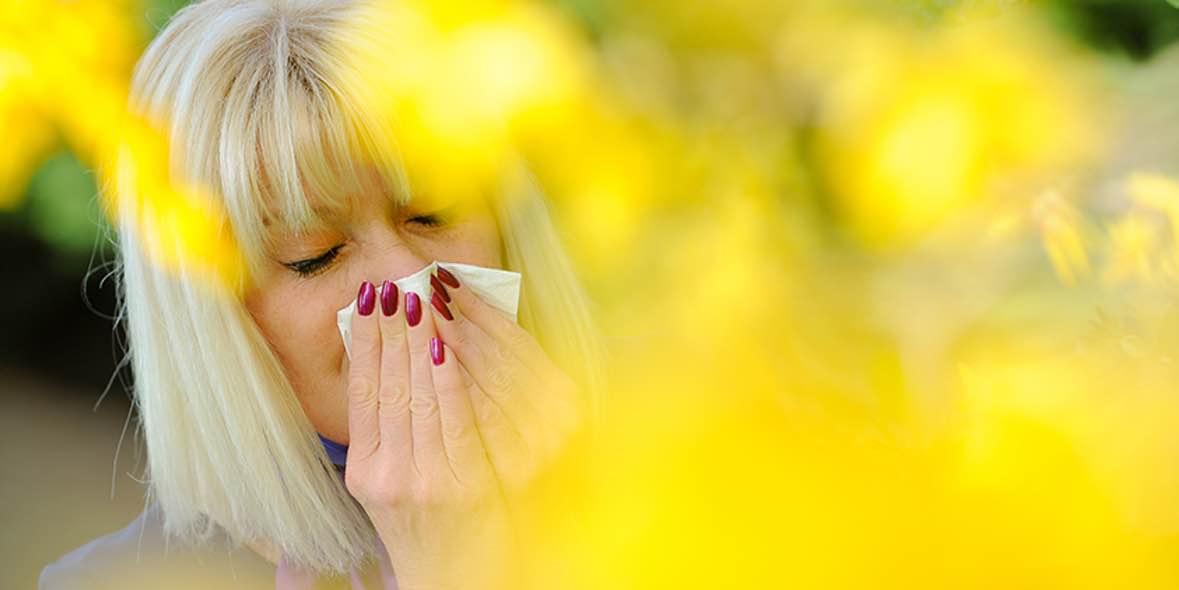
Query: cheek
[299, 323]
[301, 330]
[475, 242]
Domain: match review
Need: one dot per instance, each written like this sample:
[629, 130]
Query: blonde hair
[258, 105]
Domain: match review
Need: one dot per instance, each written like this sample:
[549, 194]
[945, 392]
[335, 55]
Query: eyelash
[429, 220]
[312, 266]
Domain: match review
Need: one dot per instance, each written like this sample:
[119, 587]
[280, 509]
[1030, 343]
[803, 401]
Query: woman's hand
[525, 406]
[451, 411]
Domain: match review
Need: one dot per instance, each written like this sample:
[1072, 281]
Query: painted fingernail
[440, 305]
[437, 353]
[438, 288]
[388, 298]
[413, 308]
[366, 299]
[447, 278]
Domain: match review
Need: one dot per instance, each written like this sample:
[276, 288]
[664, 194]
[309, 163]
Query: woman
[447, 409]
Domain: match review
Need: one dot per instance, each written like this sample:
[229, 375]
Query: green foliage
[159, 11]
[1135, 28]
[61, 208]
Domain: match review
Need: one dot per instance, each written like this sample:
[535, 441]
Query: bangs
[298, 147]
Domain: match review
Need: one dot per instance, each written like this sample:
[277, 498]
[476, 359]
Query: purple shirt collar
[336, 452]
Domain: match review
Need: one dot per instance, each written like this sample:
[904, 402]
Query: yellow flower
[927, 124]
[1061, 237]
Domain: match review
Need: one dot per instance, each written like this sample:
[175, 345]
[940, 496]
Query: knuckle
[395, 344]
[423, 403]
[458, 433]
[361, 387]
[519, 337]
[487, 413]
[393, 393]
[501, 353]
[501, 377]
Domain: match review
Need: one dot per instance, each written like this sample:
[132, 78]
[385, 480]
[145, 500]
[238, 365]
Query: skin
[440, 450]
[297, 314]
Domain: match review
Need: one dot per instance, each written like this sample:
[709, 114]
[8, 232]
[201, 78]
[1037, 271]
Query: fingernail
[441, 306]
[413, 308]
[388, 298]
[438, 288]
[447, 278]
[366, 299]
[437, 353]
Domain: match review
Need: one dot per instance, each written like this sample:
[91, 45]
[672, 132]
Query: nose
[385, 253]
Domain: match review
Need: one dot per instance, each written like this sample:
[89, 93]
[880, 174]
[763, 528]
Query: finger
[510, 456]
[363, 377]
[522, 424]
[540, 394]
[493, 369]
[494, 322]
[394, 393]
[554, 395]
[426, 426]
[459, 435]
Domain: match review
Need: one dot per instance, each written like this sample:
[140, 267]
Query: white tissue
[496, 287]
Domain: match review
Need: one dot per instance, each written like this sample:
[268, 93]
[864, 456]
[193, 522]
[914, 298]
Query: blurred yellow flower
[927, 123]
[1159, 193]
[1134, 244]
[63, 68]
[1060, 234]
[179, 227]
[463, 84]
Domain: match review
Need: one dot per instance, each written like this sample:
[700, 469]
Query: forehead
[320, 213]
[325, 200]
[316, 216]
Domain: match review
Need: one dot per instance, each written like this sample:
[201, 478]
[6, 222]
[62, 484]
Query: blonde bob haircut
[259, 107]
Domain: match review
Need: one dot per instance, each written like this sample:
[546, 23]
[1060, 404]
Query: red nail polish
[448, 278]
[437, 353]
[413, 308]
[441, 306]
[388, 298]
[366, 299]
[438, 288]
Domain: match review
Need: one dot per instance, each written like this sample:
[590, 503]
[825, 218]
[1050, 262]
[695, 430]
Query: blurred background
[888, 285]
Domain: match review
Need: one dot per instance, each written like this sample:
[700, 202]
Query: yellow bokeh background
[888, 297]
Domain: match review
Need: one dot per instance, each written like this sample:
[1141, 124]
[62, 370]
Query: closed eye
[429, 220]
[311, 266]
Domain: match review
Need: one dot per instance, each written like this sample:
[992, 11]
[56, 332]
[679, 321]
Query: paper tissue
[498, 288]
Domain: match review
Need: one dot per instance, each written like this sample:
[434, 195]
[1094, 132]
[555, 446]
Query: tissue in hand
[496, 287]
